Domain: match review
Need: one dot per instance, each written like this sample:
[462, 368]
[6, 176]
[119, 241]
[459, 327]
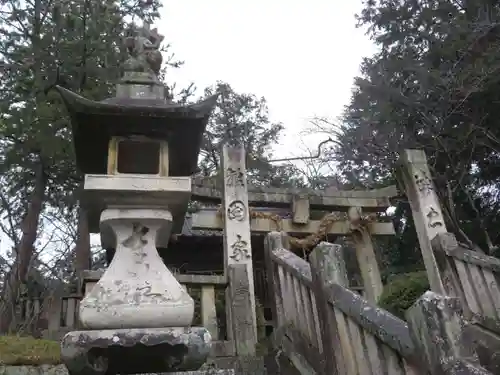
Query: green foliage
[433, 85]
[402, 291]
[400, 253]
[75, 44]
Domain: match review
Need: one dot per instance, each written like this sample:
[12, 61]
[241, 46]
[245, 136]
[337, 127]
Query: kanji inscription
[434, 218]
[240, 250]
[237, 211]
[235, 177]
[424, 183]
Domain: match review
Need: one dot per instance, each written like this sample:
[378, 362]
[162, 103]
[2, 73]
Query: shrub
[401, 292]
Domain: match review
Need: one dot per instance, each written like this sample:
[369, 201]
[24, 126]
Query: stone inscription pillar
[426, 210]
[240, 298]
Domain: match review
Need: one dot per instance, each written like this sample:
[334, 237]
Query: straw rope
[326, 223]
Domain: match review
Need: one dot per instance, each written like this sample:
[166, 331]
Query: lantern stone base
[137, 290]
[133, 351]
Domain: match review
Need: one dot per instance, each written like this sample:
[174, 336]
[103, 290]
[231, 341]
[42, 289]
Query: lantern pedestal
[135, 351]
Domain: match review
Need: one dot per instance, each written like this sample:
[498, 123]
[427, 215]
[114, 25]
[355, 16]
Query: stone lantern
[137, 151]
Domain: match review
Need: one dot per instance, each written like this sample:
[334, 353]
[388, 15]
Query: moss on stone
[15, 350]
[402, 291]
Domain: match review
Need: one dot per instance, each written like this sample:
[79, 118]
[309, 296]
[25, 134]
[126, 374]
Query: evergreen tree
[72, 43]
[432, 86]
[242, 119]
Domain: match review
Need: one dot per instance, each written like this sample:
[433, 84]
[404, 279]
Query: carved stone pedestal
[137, 290]
[137, 85]
[133, 351]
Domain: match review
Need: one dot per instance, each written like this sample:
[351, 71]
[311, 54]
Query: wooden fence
[470, 276]
[473, 278]
[452, 269]
[326, 328]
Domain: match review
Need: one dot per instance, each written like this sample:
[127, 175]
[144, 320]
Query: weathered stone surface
[137, 290]
[386, 327]
[61, 370]
[34, 370]
[102, 191]
[243, 325]
[298, 349]
[238, 258]
[133, 351]
[297, 266]
[426, 209]
[143, 46]
[277, 363]
[207, 219]
[487, 346]
[205, 372]
[231, 366]
[249, 366]
[437, 328]
[242, 365]
[136, 86]
[210, 190]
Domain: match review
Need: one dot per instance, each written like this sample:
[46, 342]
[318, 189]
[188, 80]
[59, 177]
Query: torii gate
[352, 214]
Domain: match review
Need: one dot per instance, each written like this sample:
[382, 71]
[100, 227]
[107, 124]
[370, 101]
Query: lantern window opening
[137, 155]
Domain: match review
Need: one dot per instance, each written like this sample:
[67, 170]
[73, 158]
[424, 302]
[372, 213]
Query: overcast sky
[300, 55]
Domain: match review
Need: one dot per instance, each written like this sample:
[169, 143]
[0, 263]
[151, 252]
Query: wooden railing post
[473, 277]
[436, 326]
[71, 313]
[274, 241]
[240, 297]
[328, 266]
[297, 330]
[441, 245]
[208, 311]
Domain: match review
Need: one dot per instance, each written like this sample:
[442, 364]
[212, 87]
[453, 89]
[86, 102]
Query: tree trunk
[82, 250]
[24, 252]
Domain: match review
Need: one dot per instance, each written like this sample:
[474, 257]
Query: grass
[17, 351]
